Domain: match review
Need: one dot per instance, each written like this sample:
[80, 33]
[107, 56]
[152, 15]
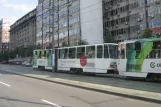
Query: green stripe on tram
[143, 55]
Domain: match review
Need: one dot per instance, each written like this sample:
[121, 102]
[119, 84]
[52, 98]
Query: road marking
[48, 102]
[5, 84]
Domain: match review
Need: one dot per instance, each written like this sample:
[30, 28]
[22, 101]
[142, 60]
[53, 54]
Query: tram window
[40, 53]
[137, 46]
[66, 54]
[35, 52]
[156, 51]
[138, 50]
[90, 51]
[63, 53]
[99, 51]
[113, 51]
[72, 53]
[157, 45]
[80, 52]
[59, 53]
[130, 50]
[106, 52]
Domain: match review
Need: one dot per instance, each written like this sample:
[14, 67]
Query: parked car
[24, 63]
[18, 62]
[4, 62]
[28, 64]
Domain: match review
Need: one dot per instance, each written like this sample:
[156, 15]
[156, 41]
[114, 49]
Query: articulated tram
[97, 58]
[133, 58]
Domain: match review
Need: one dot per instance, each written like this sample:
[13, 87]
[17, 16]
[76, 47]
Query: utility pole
[80, 29]
[68, 21]
[128, 18]
[58, 23]
[53, 42]
[50, 13]
[42, 25]
[146, 14]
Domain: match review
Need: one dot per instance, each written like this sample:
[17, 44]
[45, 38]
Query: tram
[42, 59]
[140, 58]
[97, 58]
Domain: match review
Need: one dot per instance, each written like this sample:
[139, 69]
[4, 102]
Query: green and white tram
[97, 58]
[42, 59]
[140, 58]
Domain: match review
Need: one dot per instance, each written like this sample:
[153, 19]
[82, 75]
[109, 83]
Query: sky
[15, 9]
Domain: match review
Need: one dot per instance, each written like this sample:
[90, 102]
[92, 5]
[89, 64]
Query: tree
[4, 56]
[64, 44]
[29, 51]
[82, 42]
[109, 38]
[157, 35]
[11, 54]
[147, 33]
[38, 46]
[21, 51]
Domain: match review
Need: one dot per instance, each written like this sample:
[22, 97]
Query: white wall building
[73, 20]
[91, 21]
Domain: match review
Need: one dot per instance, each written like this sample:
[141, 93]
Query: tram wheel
[78, 71]
[152, 78]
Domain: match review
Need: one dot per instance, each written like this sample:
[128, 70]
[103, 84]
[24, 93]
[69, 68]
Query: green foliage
[64, 44]
[82, 42]
[21, 52]
[29, 51]
[38, 46]
[109, 38]
[147, 33]
[4, 56]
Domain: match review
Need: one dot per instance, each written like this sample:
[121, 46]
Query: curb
[93, 89]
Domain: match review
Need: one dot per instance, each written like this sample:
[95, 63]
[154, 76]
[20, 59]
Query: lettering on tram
[155, 65]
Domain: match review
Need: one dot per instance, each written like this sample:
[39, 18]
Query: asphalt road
[105, 80]
[18, 91]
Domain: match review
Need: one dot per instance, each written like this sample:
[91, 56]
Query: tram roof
[140, 40]
[89, 45]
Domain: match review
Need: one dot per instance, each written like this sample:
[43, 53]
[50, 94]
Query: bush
[147, 33]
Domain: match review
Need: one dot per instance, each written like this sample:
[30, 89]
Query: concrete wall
[91, 21]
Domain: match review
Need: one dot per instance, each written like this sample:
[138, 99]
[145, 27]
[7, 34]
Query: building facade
[23, 31]
[69, 21]
[127, 19]
[40, 1]
[43, 22]
[5, 34]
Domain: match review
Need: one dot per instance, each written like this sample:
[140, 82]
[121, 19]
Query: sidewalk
[57, 78]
